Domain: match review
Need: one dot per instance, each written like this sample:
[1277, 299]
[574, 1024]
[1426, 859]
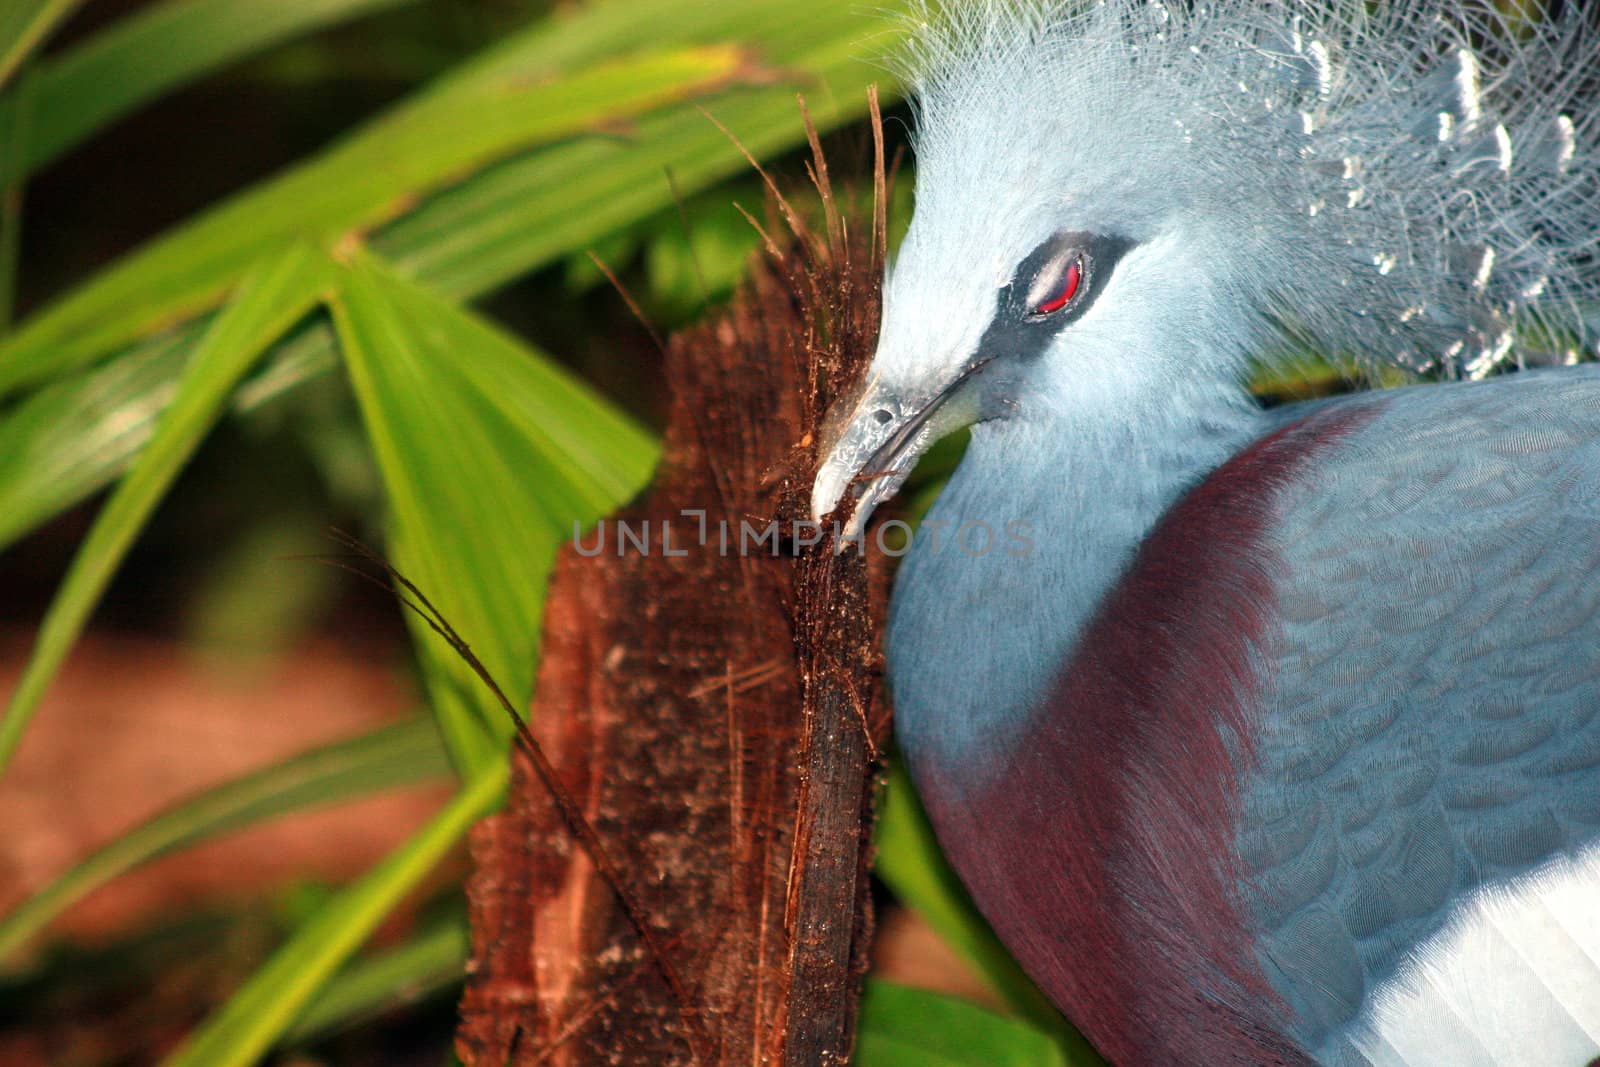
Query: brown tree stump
[710, 698]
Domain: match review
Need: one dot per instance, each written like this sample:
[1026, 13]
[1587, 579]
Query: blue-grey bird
[1260, 735]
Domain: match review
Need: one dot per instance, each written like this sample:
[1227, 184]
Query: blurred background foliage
[269, 267]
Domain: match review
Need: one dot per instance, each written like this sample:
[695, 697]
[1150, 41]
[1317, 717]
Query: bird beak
[872, 450]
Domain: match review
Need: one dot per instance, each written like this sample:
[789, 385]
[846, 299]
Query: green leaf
[431, 961]
[910, 863]
[155, 50]
[24, 26]
[377, 173]
[489, 455]
[535, 208]
[906, 1027]
[390, 756]
[257, 1015]
[266, 304]
[61, 443]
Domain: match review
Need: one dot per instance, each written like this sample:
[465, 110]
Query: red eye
[1069, 289]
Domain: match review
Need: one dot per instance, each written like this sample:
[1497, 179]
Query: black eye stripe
[1016, 331]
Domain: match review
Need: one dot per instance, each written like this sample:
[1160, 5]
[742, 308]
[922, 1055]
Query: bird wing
[1431, 712]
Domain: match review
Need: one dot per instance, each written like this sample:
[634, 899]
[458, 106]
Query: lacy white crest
[1417, 184]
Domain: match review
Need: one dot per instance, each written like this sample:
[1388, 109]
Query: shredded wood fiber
[716, 719]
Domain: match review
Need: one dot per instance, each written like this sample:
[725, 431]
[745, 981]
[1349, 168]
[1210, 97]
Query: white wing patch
[1513, 979]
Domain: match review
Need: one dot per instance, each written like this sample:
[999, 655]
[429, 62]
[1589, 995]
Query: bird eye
[1071, 281]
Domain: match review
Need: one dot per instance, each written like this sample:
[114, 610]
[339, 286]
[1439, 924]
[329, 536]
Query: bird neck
[1036, 525]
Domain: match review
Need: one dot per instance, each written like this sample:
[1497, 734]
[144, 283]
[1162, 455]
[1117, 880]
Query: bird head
[1119, 202]
[1041, 230]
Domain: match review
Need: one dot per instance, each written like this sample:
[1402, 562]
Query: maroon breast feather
[1103, 855]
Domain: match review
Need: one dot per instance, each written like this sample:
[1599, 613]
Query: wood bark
[713, 706]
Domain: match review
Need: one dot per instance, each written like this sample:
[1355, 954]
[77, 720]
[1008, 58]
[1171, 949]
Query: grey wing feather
[1432, 718]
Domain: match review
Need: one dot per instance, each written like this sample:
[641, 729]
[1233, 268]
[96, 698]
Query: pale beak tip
[828, 495]
[828, 489]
